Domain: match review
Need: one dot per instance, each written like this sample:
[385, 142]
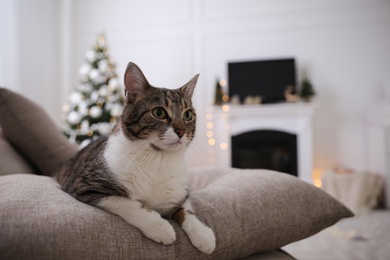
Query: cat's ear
[135, 81]
[188, 89]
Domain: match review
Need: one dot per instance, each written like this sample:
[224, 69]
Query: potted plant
[307, 90]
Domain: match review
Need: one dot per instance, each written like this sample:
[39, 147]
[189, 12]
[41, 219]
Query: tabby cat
[138, 172]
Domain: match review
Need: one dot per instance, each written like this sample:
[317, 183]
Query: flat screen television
[266, 78]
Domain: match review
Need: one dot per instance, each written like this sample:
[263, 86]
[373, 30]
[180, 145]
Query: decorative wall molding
[120, 15]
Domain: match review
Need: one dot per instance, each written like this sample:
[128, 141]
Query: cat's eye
[159, 113]
[188, 115]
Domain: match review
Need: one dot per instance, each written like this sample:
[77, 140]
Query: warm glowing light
[223, 82]
[318, 183]
[210, 134]
[225, 98]
[224, 146]
[210, 125]
[317, 174]
[209, 117]
[225, 108]
[211, 141]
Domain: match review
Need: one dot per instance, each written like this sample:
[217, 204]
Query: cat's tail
[33, 133]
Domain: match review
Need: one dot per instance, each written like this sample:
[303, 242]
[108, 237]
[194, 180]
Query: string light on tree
[95, 104]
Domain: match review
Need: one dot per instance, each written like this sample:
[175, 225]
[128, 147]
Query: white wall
[8, 50]
[30, 56]
[342, 44]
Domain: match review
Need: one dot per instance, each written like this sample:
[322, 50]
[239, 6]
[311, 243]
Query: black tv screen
[266, 78]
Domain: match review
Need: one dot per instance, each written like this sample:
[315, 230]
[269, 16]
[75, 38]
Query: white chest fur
[158, 179]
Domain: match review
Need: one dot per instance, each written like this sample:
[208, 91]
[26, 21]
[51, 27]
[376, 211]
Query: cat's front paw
[203, 238]
[160, 231]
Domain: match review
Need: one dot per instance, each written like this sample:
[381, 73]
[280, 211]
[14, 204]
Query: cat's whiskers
[149, 150]
[197, 145]
[145, 150]
[129, 152]
[132, 154]
[139, 149]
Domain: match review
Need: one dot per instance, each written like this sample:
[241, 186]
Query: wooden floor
[364, 237]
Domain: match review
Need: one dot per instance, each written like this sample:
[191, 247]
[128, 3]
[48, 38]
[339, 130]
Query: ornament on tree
[74, 117]
[96, 103]
[95, 112]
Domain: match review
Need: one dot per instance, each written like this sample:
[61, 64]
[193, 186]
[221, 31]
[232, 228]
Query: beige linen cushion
[250, 211]
[30, 130]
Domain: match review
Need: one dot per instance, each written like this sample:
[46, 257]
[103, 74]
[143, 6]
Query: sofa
[252, 212]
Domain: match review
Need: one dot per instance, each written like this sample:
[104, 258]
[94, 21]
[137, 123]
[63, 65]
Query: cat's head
[162, 118]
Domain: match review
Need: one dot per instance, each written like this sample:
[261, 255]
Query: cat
[138, 172]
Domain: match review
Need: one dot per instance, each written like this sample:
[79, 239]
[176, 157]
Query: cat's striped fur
[139, 172]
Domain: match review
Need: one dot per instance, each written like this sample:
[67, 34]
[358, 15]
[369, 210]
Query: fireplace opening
[265, 149]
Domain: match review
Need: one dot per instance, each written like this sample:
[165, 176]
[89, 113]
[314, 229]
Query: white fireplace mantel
[292, 118]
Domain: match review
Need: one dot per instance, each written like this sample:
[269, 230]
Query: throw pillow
[11, 161]
[31, 131]
[250, 211]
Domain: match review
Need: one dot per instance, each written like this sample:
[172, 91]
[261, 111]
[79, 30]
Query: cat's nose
[180, 132]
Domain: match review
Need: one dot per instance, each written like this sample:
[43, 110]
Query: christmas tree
[96, 103]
